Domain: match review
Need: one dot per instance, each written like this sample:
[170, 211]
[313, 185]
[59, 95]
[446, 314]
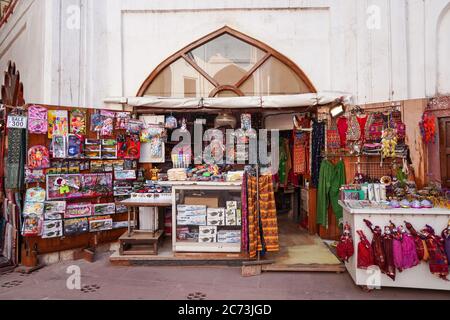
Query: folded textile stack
[177, 174]
[229, 236]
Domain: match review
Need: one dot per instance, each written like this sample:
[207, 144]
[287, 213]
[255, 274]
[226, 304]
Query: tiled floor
[108, 282]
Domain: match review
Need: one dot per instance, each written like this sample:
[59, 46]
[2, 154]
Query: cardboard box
[216, 216]
[209, 201]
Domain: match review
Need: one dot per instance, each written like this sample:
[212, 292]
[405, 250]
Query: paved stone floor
[100, 280]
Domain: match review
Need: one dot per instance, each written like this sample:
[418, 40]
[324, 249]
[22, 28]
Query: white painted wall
[78, 52]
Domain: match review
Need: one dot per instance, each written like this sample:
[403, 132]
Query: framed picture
[76, 226]
[96, 225]
[54, 210]
[52, 229]
[64, 186]
[78, 210]
[103, 209]
[125, 175]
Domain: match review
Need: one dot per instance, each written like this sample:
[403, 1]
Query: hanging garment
[389, 253]
[301, 152]
[342, 126]
[244, 214]
[353, 131]
[345, 247]
[263, 234]
[318, 144]
[375, 128]
[377, 246]
[282, 176]
[16, 158]
[365, 254]
[331, 178]
[421, 247]
[362, 121]
[438, 262]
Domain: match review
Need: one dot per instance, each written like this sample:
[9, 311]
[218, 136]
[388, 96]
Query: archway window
[226, 63]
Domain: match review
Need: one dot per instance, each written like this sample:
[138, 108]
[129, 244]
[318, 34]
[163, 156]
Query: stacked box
[191, 215]
[216, 216]
[207, 234]
[229, 236]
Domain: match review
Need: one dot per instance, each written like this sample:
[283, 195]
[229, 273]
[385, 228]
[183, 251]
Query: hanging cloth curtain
[263, 234]
[318, 144]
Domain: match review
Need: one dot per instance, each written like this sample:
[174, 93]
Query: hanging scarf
[377, 246]
[244, 214]
[16, 158]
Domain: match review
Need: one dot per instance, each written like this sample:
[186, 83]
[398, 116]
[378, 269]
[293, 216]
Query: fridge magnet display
[128, 147]
[109, 149]
[57, 123]
[31, 227]
[33, 208]
[92, 148]
[52, 229]
[37, 120]
[78, 122]
[64, 186]
[59, 146]
[34, 176]
[97, 184]
[78, 210]
[107, 123]
[134, 127]
[38, 158]
[75, 226]
[35, 194]
[102, 209]
[54, 210]
[153, 145]
[96, 121]
[125, 174]
[75, 146]
[96, 224]
[122, 119]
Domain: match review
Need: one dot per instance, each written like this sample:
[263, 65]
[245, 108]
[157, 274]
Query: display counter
[416, 277]
[206, 217]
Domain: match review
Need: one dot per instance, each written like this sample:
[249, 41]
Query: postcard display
[75, 159]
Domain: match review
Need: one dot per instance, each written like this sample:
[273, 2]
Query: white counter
[416, 277]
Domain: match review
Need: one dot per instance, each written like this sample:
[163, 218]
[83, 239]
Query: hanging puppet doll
[438, 259]
[421, 246]
[410, 258]
[377, 246]
[365, 254]
[345, 247]
[388, 243]
[446, 238]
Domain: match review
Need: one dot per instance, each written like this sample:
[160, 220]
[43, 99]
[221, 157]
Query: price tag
[17, 122]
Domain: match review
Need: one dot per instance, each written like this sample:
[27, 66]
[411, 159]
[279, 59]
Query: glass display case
[206, 217]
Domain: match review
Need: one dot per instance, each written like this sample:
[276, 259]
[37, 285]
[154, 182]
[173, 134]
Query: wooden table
[134, 237]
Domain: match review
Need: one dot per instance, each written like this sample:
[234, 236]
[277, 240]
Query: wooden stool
[140, 243]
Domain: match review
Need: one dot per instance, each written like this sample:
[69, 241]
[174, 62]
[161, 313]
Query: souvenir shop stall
[395, 233]
[215, 212]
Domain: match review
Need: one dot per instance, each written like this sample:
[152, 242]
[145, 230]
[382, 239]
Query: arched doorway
[226, 63]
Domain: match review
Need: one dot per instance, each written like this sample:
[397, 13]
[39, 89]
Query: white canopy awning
[264, 102]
